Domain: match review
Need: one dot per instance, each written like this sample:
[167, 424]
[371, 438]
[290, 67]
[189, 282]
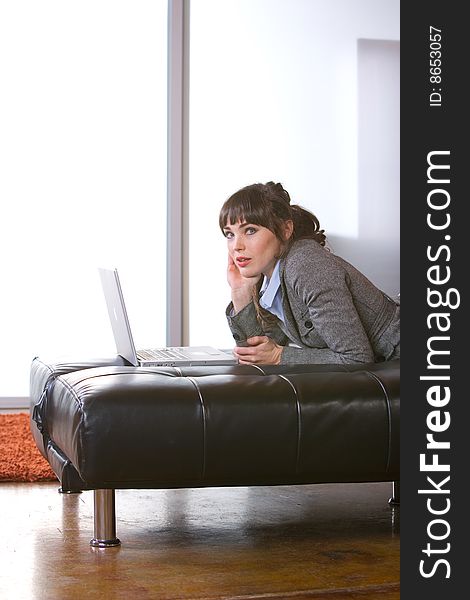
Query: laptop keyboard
[162, 354]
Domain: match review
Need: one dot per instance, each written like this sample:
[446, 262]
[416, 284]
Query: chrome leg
[105, 520]
[395, 499]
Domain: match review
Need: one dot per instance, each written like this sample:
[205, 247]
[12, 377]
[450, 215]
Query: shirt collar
[270, 286]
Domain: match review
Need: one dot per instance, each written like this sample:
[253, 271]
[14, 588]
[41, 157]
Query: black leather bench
[104, 425]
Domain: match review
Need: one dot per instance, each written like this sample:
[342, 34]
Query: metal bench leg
[105, 520]
[395, 499]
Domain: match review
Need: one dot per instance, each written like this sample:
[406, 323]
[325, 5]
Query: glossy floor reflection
[314, 541]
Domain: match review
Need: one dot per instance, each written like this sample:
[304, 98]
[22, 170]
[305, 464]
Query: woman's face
[253, 248]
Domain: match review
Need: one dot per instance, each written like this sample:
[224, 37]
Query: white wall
[376, 250]
[274, 96]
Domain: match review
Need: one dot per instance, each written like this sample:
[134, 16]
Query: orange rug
[20, 459]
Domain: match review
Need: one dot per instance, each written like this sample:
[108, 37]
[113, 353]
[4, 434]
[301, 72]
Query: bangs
[245, 208]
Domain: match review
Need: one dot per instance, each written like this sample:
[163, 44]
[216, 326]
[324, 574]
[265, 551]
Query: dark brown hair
[268, 205]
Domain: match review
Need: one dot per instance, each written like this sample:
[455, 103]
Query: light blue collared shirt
[271, 295]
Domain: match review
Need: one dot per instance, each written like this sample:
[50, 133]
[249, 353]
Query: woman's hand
[241, 286]
[261, 350]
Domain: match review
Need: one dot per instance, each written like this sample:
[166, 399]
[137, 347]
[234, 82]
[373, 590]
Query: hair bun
[279, 191]
[306, 225]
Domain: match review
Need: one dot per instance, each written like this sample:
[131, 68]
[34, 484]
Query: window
[83, 155]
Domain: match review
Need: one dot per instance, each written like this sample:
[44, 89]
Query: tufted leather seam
[48, 367]
[78, 402]
[259, 369]
[389, 416]
[299, 423]
[71, 390]
[203, 410]
[111, 373]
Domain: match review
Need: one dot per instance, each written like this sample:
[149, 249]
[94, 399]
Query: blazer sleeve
[324, 290]
[244, 325]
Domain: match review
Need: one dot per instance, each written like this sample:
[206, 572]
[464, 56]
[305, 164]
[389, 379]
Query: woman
[293, 301]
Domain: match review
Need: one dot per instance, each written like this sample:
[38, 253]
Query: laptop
[152, 357]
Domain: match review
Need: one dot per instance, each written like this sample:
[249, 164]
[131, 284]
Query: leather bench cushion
[126, 426]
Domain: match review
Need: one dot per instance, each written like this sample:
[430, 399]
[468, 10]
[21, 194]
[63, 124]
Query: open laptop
[153, 357]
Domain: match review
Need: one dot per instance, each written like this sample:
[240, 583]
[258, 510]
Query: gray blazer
[333, 313]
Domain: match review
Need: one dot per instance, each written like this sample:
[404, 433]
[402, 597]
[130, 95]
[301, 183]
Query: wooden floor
[336, 541]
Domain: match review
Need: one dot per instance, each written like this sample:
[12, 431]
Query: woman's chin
[249, 272]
